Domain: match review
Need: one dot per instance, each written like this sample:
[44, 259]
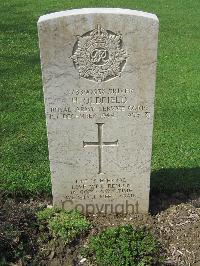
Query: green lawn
[24, 157]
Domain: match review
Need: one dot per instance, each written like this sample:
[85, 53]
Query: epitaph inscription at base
[98, 68]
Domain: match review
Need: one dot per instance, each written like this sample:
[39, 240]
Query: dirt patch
[177, 227]
[179, 231]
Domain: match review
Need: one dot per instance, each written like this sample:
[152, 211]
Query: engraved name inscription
[97, 103]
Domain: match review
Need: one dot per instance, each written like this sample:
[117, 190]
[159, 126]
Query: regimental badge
[98, 55]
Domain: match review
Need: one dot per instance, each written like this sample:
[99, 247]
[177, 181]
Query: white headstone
[99, 71]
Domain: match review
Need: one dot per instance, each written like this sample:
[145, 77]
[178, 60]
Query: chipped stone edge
[116, 11]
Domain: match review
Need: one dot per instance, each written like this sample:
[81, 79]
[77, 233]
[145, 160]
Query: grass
[24, 166]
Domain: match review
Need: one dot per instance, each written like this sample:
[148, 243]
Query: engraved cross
[100, 144]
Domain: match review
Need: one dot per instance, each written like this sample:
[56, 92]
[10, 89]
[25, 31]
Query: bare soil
[174, 220]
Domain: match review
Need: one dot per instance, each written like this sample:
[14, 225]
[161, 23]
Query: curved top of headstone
[119, 11]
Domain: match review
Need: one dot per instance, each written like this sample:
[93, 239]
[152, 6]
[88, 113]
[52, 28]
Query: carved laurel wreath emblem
[98, 55]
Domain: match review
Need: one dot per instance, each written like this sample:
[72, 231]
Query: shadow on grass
[174, 186]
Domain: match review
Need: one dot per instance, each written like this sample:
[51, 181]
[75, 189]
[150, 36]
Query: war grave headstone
[99, 72]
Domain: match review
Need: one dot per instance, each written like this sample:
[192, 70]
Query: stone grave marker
[99, 71]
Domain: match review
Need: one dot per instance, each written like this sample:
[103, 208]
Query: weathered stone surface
[98, 68]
